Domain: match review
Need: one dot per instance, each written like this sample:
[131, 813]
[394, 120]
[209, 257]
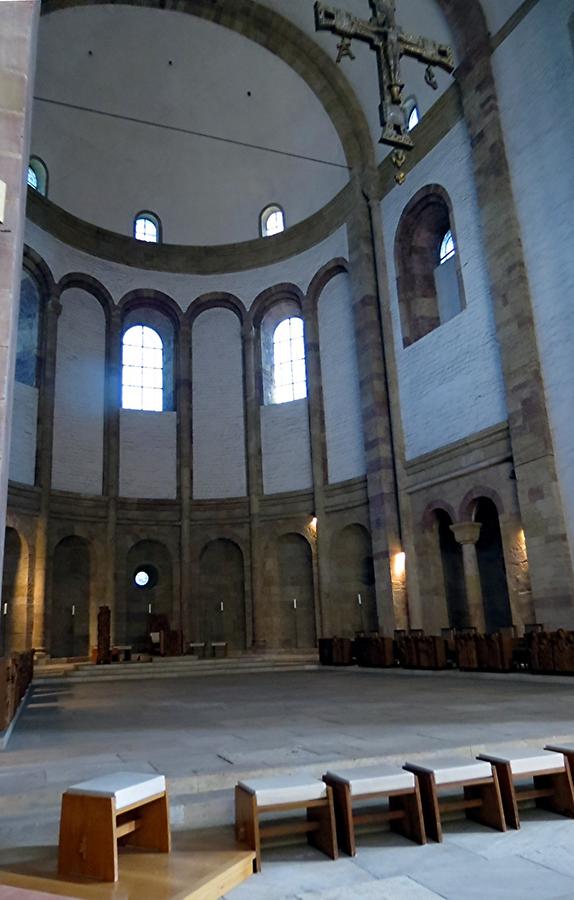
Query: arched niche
[294, 620]
[492, 568]
[430, 287]
[79, 398]
[221, 595]
[70, 618]
[155, 597]
[340, 380]
[14, 607]
[452, 571]
[352, 599]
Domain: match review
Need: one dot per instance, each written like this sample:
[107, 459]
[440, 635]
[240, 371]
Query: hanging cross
[390, 44]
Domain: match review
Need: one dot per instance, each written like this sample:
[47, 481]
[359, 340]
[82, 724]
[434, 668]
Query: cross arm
[329, 18]
[426, 51]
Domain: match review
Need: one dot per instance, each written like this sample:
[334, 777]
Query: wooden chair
[96, 814]
[478, 780]
[279, 795]
[549, 772]
[355, 786]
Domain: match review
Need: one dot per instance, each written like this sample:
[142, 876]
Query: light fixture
[399, 565]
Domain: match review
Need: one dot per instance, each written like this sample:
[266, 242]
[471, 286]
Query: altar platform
[202, 866]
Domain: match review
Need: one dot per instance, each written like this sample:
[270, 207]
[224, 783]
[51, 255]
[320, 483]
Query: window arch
[429, 279]
[38, 176]
[272, 220]
[142, 369]
[147, 227]
[412, 114]
[447, 248]
[289, 374]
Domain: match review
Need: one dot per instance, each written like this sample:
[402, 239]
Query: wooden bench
[280, 795]
[355, 786]
[97, 814]
[196, 648]
[479, 782]
[219, 648]
[549, 772]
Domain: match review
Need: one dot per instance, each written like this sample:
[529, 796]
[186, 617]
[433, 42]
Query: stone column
[112, 461]
[18, 32]
[532, 446]
[377, 426]
[467, 534]
[319, 536]
[251, 354]
[183, 405]
[44, 467]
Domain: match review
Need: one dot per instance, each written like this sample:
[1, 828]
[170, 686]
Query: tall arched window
[289, 376]
[147, 227]
[38, 176]
[142, 369]
[272, 220]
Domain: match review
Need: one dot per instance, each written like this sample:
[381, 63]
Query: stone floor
[204, 733]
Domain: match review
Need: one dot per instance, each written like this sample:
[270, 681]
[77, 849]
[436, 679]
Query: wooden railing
[16, 673]
[548, 652]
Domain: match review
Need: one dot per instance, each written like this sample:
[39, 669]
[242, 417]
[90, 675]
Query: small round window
[145, 577]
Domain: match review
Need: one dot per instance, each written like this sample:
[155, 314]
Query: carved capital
[466, 532]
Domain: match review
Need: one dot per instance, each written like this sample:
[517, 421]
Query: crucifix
[390, 43]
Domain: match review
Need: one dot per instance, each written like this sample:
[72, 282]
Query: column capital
[466, 532]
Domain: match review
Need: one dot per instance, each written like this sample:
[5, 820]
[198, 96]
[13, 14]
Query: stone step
[178, 666]
[77, 678]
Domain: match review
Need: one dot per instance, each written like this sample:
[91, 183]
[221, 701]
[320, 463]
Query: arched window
[142, 369]
[147, 227]
[429, 277]
[447, 248]
[289, 376]
[38, 176]
[272, 221]
[412, 115]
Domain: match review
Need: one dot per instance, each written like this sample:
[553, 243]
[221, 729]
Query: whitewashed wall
[450, 381]
[116, 59]
[340, 377]
[78, 447]
[23, 440]
[286, 447]
[534, 70]
[148, 454]
[118, 279]
[218, 406]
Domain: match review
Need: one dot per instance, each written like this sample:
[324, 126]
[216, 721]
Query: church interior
[287, 449]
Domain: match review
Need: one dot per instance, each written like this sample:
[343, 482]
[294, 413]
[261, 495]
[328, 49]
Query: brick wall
[218, 408]
[450, 381]
[340, 378]
[79, 398]
[148, 454]
[286, 447]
